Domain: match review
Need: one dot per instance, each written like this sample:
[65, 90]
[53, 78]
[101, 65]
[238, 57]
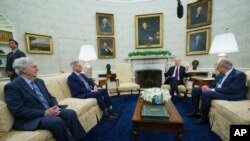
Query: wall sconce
[87, 54]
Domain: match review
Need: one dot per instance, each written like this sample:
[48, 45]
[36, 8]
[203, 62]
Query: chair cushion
[181, 88]
[2, 84]
[128, 86]
[54, 88]
[238, 111]
[81, 106]
[6, 119]
[38, 135]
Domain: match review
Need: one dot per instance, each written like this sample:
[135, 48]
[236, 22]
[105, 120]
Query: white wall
[73, 22]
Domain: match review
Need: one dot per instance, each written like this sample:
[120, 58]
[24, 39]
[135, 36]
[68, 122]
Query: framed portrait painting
[106, 47]
[199, 13]
[198, 41]
[149, 31]
[105, 24]
[39, 44]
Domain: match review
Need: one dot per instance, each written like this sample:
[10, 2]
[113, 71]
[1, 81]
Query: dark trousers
[206, 98]
[102, 98]
[173, 82]
[64, 127]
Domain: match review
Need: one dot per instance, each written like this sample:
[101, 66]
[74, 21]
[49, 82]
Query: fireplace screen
[149, 78]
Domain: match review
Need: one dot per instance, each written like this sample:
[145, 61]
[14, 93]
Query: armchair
[181, 88]
[124, 80]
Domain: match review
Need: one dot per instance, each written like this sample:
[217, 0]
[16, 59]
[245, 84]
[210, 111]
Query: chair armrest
[117, 82]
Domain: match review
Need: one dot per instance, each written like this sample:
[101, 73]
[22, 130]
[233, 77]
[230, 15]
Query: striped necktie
[219, 84]
[39, 94]
[85, 82]
[177, 73]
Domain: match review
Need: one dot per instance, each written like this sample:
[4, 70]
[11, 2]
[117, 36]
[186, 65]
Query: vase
[158, 100]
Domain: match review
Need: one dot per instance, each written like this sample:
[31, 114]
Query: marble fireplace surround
[150, 63]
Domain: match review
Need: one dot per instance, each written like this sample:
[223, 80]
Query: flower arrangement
[156, 95]
[150, 53]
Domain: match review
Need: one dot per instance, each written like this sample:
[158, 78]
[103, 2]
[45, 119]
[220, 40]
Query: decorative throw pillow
[6, 119]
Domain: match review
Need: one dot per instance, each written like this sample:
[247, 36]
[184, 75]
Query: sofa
[87, 111]
[225, 113]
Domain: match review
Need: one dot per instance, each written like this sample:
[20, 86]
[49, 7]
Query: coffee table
[174, 123]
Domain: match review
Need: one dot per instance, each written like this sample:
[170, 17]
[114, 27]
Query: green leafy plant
[150, 53]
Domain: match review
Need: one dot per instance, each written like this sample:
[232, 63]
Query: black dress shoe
[201, 121]
[113, 113]
[195, 114]
[109, 117]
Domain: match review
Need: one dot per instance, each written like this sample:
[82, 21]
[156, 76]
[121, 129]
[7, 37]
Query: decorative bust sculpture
[108, 68]
[195, 64]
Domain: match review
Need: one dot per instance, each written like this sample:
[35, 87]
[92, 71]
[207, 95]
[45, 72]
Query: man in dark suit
[33, 107]
[105, 50]
[146, 35]
[197, 44]
[198, 16]
[105, 26]
[82, 87]
[174, 76]
[14, 54]
[230, 84]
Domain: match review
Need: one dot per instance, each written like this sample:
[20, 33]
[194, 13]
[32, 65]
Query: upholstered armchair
[124, 79]
[181, 88]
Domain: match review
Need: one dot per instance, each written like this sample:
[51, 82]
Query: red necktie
[177, 73]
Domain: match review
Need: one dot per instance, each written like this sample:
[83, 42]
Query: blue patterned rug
[122, 129]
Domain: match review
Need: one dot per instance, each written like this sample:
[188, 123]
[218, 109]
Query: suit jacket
[10, 60]
[234, 86]
[170, 72]
[106, 53]
[77, 87]
[24, 104]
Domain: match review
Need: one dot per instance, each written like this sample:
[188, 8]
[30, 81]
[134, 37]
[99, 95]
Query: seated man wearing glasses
[33, 107]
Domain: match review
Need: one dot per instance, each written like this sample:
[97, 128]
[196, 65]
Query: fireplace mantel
[148, 57]
[149, 63]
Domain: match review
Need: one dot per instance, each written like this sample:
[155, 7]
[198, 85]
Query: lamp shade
[87, 53]
[224, 43]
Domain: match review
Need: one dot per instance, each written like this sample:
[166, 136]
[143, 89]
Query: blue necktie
[40, 94]
[85, 82]
[220, 81]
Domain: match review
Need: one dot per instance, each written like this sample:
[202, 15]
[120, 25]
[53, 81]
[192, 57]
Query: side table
[202, 81]
[111, 76]
[102, 81]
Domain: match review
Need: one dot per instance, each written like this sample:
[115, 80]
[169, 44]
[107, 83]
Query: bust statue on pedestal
[108, 68]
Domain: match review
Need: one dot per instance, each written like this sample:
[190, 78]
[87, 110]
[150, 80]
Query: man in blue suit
[230, 84]
[11, 56]
[82, 87]
[174, 76]
[33, 107]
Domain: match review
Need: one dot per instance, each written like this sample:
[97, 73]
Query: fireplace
[149, 78]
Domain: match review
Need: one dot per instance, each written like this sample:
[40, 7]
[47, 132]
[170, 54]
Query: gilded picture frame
[106, 47]
[39, 44]
[105, 24]
[149, 31]
[198, 41]
[199, 13]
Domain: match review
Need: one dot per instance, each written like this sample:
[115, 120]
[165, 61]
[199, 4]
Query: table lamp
[87, 54]
[222, 44]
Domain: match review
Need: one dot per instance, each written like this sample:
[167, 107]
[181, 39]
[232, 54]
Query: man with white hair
[174, 76]
[82, 87]
[230, 84]
[33, 107]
